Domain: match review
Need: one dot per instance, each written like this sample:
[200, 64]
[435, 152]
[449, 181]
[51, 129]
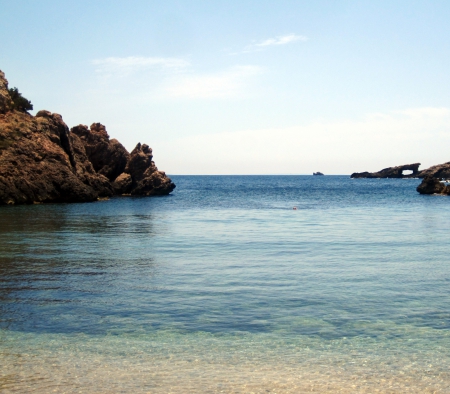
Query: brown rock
[147, 180]
[438, 171]
[108, 157]
[431, 185]
[5, 100]
[42, 161]
[156, 184]
[123, 184]
[36, 164]
[390, 172]
[139, 162]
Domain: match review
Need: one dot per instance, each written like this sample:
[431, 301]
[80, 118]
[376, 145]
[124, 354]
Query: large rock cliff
[41, 160]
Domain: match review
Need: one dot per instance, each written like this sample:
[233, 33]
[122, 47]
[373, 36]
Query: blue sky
[249, 87]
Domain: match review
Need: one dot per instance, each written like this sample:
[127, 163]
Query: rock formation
[391, 172]
[441, 171]
[5, 99]
[41, 160]
[432, 185]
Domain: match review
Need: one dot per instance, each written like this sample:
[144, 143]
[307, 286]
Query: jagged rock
[139, 162]
[156, 184]
[147, 180]
[108, 157]
[390, 172]
[5, 99]
[437, 171]
[36, 162]
[123, 184]
[42, 161]
[432, 185]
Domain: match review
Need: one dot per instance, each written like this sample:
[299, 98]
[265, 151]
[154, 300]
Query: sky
[248, 87]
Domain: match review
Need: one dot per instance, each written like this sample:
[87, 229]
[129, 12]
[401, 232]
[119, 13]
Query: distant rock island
[431, 183]
[391, 172]
[441, 171]
[317, 173]
[42, 161]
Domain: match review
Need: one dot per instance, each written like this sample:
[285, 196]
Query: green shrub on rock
[20, 103]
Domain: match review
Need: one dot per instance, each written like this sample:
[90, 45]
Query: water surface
[223, 287]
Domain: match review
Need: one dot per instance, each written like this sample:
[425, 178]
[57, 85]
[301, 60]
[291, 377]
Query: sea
[231, 284]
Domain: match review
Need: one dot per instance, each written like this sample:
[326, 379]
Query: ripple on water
[222, 287]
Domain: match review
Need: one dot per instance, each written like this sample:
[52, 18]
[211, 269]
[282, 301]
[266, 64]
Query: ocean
[224, 287]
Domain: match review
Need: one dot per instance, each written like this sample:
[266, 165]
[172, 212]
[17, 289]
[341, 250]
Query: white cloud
[377, 141]
[282, 40]
[424, 112]
[126, 65]
[156, 78]
[223, 84]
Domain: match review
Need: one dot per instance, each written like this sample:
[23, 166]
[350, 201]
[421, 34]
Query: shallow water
[223, 287]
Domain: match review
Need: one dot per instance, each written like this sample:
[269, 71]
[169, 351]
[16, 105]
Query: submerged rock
[41, 160]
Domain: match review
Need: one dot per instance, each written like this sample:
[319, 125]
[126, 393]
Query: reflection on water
[222, 287]
[61, 269]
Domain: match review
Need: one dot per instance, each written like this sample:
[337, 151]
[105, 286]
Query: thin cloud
[257, 46]
[281, 40]
[127, 65]
[424, 112]
[225, 84]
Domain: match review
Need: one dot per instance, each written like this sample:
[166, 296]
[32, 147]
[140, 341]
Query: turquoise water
[223, 287]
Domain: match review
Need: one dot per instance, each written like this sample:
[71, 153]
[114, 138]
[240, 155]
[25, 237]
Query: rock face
[146, 179]
[41, 160]
[5, 99]
[432, 185]
[391, 172]
[108, 157]
[438, 171]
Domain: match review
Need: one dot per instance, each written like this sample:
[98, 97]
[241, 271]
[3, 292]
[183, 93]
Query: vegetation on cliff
[19, 103]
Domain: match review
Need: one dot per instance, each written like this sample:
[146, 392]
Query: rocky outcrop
[432, 185]
[108, 157]
[5, 100]
[123, 184]
[140, 163]
[391, 172]
[38, 162]
[147, 180]
[41, 160]
[441, 171]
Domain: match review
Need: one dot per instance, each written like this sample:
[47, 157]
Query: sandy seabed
[76, 373]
